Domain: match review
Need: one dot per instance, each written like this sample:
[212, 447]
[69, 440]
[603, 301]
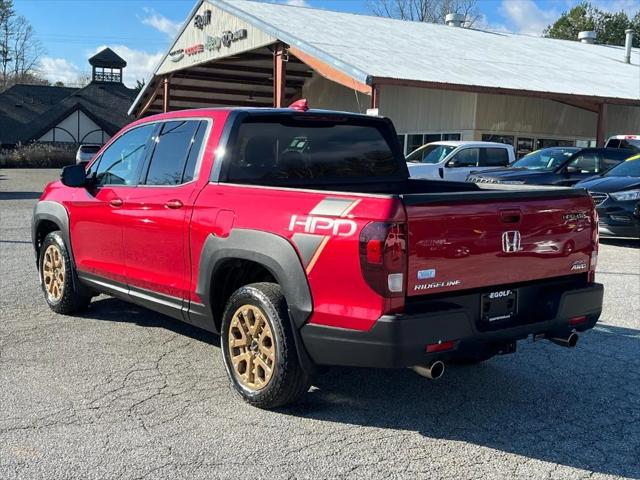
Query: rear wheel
[56, 277]
[259, 349]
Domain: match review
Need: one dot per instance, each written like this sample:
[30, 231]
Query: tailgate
[496, 238]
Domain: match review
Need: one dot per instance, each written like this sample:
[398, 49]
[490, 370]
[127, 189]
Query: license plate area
[500, 306]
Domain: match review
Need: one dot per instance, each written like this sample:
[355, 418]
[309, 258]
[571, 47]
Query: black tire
[71, 299]
[288, 380]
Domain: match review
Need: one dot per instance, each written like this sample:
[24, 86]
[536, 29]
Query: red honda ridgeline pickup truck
[300, 238]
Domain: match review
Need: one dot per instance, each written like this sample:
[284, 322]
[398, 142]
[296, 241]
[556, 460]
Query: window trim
[98, 158]
[198, 165]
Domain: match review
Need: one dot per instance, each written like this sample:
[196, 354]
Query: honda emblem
[511, 241]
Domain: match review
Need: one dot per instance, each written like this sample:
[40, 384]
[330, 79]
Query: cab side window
[469, 157]
[585, 163]
[121, 162]
[175, 153]
[495, 157]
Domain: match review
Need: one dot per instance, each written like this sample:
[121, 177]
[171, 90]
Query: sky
[141, 31]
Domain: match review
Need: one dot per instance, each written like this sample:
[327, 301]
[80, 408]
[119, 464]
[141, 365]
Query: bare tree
[20, 51]
[431, 11]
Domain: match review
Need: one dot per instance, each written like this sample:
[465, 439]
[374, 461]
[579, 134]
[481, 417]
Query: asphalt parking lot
[123, 392]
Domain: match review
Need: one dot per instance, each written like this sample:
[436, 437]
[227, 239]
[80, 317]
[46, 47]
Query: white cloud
[525, 16]
[160, 22]
[140, 64]
[59, 70]
[630, 7]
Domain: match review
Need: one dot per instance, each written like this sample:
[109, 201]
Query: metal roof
[365, 46]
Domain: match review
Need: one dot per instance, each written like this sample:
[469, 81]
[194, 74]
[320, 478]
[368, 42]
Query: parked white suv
[454, 160]
[86, 152]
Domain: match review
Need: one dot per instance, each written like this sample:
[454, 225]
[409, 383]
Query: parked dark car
[561, 166]
[617, 198]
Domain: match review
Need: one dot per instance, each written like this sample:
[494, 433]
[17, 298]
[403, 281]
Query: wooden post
[375, 96]
[601, 130]
[279, 75]
[165, 94]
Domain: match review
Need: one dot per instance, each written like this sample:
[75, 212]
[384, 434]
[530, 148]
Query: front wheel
[56, 277]
[259, 349]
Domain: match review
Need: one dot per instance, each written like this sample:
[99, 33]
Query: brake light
[300, 105]
[595, 245]
[577, 320]
[383, 257]
[440, 346]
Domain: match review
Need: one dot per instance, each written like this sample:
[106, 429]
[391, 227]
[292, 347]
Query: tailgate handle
[510, 216]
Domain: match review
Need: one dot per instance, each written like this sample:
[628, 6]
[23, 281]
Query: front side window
[495, 157]
[174, 146]
[121, 162]
[285, 150]
[584, 163]
[469, 157]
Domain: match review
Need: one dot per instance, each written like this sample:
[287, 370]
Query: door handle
[115, 202]
[173, 204]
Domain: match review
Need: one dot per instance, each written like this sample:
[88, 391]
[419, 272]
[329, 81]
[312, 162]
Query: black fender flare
[278, 256]
[273, 252]
[47, 210]
[53, 212]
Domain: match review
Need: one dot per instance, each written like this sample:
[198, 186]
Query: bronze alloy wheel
[252, 347]
[53, 273]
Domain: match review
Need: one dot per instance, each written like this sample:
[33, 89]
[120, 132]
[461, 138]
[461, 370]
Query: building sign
[176, 55]
[194, 49]
[201, 21]
[226, 39]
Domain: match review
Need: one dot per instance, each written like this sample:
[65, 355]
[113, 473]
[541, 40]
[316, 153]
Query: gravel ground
[123, 392]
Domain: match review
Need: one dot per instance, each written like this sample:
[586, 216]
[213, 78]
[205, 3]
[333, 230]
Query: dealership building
[434, 81]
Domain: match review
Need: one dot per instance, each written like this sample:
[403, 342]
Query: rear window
[313, 149]
[495, 157]
[89, 148]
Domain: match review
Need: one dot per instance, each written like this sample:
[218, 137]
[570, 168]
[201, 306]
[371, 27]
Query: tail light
[595, 245]
[383, 258]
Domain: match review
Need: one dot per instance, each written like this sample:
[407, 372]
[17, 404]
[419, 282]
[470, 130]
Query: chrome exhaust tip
[569, 341]
[433, 371]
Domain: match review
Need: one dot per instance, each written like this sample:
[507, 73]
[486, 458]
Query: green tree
[609, 27]
[139, 85]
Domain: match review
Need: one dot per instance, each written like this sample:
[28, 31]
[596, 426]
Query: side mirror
[74, 176]
[454, 162]
[570, 170]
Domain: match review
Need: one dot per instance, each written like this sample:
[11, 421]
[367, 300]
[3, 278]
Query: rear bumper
[400, 340]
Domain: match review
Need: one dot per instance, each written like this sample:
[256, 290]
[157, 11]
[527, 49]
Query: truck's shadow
[579, 408]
